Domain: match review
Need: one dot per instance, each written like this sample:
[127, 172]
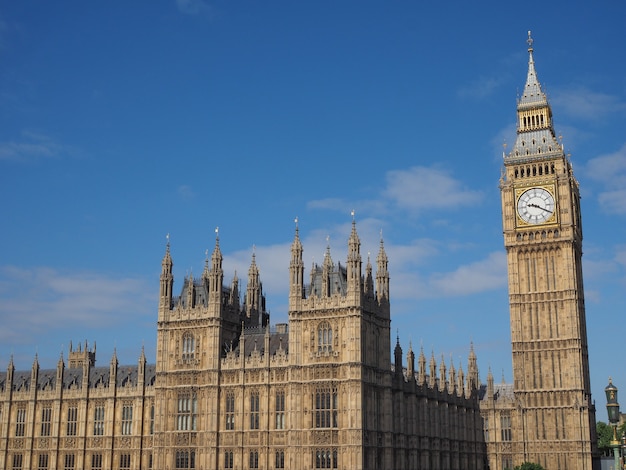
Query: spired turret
[167, 279]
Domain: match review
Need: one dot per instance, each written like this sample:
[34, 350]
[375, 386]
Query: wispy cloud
[421, 189]
[416, 190]
[193, 7]
[41, 299]
[610, 170]
[31, 147]
[580, 102]
[186, 192]
[479, 89]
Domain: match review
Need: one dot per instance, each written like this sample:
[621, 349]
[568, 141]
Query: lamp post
[612, 409]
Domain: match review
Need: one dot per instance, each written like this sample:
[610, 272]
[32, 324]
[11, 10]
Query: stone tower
[553, 420]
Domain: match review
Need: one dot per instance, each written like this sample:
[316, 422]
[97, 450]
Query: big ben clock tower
[553, 422]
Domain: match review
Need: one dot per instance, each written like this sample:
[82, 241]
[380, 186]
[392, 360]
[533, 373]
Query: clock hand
[536, 206]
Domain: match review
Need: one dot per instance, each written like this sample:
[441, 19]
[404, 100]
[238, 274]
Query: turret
[442, 374]
[296, 270]
[368, 287]
[167, 278]
[254, 292]
[432, 378]
[34, 374]
[354, 263]
[397, 353]
[421, 368]
[234, 292]
[473, 380]
[191, 294]
[141, 369]
[410, 363]
[113, 371]
[382, 274]
[460, 382]
[327, 269]
[10, 372]
[60, 372]
[490, 388]
[451, 377]
[216, 278]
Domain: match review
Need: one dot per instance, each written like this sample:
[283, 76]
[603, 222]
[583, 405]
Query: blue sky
[121, 122]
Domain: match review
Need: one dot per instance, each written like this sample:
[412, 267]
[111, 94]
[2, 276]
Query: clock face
[536, 205]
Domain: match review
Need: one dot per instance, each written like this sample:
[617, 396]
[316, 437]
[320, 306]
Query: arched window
[189, 346]
[325, 337]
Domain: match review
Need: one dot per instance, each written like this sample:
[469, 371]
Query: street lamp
[612, 409]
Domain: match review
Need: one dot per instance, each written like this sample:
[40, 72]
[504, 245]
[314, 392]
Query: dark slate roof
[98, 376]
[500, 390]
[255, 339]
[338, 281]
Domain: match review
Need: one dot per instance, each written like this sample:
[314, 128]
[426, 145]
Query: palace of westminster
[230, 391]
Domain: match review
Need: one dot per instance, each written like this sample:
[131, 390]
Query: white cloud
[610, 170]
[421, 189]
[581, 102]
[416, 190]
[41, 299]
[480, 276]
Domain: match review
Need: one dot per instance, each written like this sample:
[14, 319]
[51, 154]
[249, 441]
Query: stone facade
[547, 415]
[230, 391]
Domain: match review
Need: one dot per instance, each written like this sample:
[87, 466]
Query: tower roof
[536, 138]
[533, 95]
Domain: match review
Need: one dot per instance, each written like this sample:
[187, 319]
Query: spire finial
[352, 214]
[530, 42]
[167, 237]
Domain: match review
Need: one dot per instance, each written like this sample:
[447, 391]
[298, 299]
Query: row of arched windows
[535, 120]
[535, 170]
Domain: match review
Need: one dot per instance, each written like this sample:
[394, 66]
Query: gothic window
[152, 419]
[280, 409]
[69, 462]
[96, 461]
[254, 459]
[125, 462]
[46, 418]
[185, 459]
[280, 459]
[187, 412]
[228, 459]
[127, 420]
[72, 417]
[507, 461]
[230, 411]
[98, 420]
[326, 408]
[42, 462]
[254, 410]
[20, 422]
[17, 462]
[486, 429]
[505, 428]
[326, 458]
[325, 337]
[189, 346]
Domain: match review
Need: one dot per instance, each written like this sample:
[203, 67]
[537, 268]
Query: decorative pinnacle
[352, 214]
[530, 42]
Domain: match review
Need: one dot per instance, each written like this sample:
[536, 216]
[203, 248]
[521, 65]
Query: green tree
[529, 466]
[604, 433]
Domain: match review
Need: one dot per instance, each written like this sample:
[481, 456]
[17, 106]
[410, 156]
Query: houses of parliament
[229, 390]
